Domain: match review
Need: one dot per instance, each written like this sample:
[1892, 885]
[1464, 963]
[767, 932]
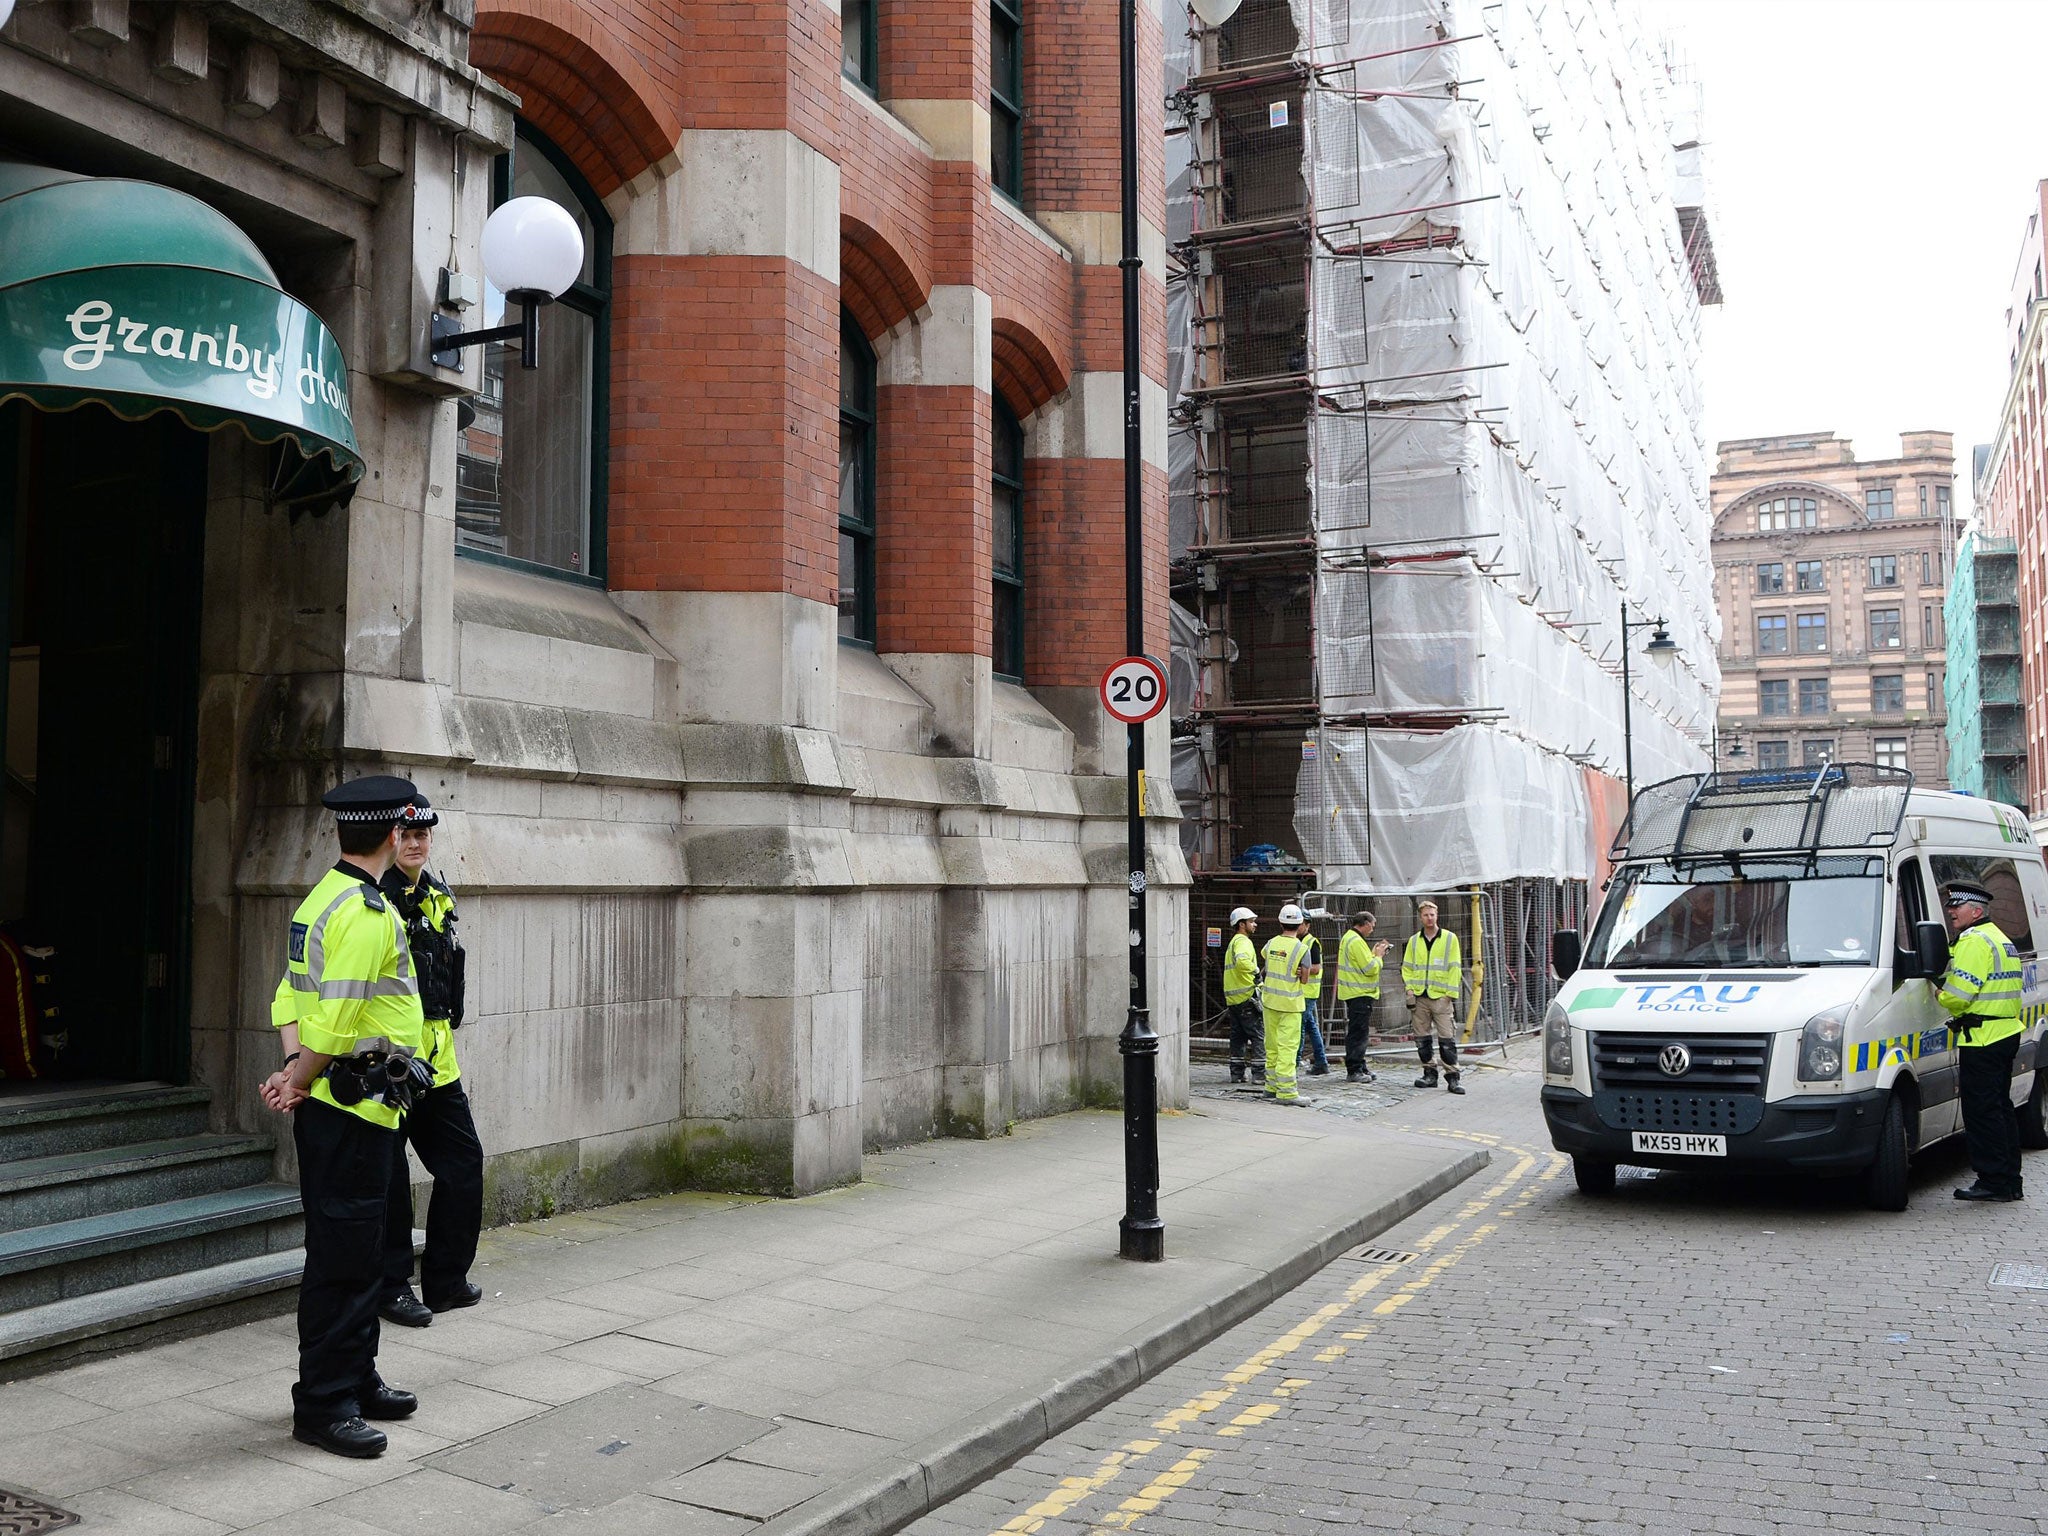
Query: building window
[1774, 754]
[1926, 568]
[1927, 626]
[1811, 576]
[1891, 751]
[1815, 753]
[1941, 502]
[1877, 502]
[1886, 629]
[1008, 559]
[1813, 633]
[859, 53]
[1933, 691]
[1006, 96]
[1787, 512]
[1884, 570]
[856, 483]
[1813, 695]
[1770, 634]
[1888, 693]
[530, 466]
[1923, 501]
[1774, 696]
[1771, 577]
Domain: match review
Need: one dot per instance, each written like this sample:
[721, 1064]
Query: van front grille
[1712, 1063]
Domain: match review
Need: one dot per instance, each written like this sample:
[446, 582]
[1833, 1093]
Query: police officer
[1358, 989]
[1241, 997]
[438, 1125]
[1982, 990]
[1432, 967]
[349, 1011]
[1290, 971]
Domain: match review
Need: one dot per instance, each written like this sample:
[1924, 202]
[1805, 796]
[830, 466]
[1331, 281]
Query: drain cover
[21, 1515]
[2021, 1277]
[1379, 1256]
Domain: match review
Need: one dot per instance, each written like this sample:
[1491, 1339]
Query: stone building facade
[749, 644]
[1830, 573]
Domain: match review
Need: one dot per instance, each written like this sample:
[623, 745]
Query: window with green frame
[859, 46]
[856, 483]
[530, 463]
[1006, 96]
[1007, 565]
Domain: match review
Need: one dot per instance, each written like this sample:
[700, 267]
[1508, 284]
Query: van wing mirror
[1930, 950]
[1565, 953]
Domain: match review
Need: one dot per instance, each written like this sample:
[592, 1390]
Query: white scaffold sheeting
[1470, 806]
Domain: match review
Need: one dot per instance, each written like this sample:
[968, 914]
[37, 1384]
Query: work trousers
[1435, 1017]
[1989, 1129]
[1283, 1045]
[1357, 1033]
[344, 1184]
[1247, 1041]
[441, 1131]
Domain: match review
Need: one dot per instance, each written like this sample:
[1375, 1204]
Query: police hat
[378, 797]
[1963, 893]
[420, 813]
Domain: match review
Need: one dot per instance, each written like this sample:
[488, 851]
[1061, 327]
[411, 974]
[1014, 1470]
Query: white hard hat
[1290, 915]
[1242, 915]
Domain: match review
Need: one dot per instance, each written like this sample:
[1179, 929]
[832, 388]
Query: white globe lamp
[531, 246]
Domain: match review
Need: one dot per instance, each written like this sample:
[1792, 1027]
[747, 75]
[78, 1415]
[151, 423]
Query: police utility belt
[390, 1078]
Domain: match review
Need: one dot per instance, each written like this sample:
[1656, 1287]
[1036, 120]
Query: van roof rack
[1779, 813]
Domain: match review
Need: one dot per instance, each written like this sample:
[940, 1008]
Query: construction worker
[1312, 1050]
[1982, 990]
[1432, 968]
[1241, 997]
[348, 1009]
[439, 1126]
[1290, 971]
[1358, 989]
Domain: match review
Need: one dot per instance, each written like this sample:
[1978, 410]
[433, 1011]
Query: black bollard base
[1144, 1241]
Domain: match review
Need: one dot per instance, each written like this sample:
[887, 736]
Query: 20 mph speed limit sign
[1134, 689]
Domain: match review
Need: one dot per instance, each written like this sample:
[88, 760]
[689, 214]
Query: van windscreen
[1658, 915]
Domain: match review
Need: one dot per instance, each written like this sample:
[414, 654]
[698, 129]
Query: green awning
[143, 299]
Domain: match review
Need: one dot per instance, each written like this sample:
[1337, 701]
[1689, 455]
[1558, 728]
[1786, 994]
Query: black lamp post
[1662, 649]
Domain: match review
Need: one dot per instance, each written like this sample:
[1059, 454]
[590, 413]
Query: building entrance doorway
[100, 535]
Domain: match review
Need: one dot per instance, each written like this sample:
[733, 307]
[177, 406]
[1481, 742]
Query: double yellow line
[1450, 1242]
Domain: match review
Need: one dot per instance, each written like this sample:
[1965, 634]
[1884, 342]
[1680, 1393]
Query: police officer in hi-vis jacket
[1982, 991]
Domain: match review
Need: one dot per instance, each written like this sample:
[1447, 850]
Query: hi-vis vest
[348, 982]
[1285, 992]
[1358, 968]
[1432, 970]
[1984, 980]
[435, 904]
[1240, 969]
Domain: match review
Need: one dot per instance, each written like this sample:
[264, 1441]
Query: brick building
[1830, 573]
[749, 642]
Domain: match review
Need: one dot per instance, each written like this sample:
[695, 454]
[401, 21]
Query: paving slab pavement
[718, 1364]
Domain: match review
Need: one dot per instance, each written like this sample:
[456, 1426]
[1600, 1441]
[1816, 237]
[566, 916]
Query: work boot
[406, 1310]
[1428, 1078]
[465, 1294]
[1358, 1075]
[382, 1402]
[1451, 1082]
[344, 1437]
[1318, 1071]
[1982, 1191]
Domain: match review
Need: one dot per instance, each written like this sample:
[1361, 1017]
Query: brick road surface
[1694, 1354]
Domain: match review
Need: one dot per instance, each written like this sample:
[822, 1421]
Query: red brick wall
[932, 520]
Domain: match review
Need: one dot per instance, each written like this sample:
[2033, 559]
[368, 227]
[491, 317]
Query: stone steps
[70, 1185]
[88, 1117]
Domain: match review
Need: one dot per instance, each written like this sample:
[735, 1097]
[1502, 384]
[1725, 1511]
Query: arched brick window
[1007, 544]
[857, 438]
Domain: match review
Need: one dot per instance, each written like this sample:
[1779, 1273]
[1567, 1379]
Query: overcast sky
[1871, 162]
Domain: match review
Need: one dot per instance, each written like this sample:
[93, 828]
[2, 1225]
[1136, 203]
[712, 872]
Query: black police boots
[406, 1310]
[344, 1437]
[1982, 1191]
[466, 1295]
[388, 1403]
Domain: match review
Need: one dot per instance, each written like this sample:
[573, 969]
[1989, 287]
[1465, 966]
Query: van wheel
[1884, 1185]
[1595, 1174]
[2033, 1123]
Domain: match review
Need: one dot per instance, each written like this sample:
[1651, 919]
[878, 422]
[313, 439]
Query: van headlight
[1557, 1041]
[1820, 1046]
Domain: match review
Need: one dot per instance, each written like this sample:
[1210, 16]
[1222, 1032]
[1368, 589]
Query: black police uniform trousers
[1989, 1128]
[1357, 1032]
[1247, 1041]
[344, 1183]
[440, 1129]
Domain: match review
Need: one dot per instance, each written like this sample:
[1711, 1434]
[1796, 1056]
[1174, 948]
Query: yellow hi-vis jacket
[438, 1041]
[348, 981]
[1240, 969]
[1358, 968]
[1285, 991]
[1984, 980]
[1432, 970]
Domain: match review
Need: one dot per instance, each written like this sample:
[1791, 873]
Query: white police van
[1758, 987]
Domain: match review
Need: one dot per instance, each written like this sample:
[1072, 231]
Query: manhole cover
[1379, 1256]
[2021, 1277]
[21, 1515]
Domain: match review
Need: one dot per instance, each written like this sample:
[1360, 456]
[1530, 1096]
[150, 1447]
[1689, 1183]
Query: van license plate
[1672, 1144]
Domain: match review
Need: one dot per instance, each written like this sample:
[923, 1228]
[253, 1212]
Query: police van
[1758, 987]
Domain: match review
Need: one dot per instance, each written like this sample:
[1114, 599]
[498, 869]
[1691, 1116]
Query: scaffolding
[1987, 748]
[1433, 311]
